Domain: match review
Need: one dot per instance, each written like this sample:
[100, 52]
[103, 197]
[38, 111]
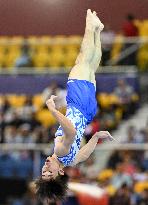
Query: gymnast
[81, 109]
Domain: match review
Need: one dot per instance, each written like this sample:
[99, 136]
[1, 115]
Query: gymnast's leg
[98, 53]
[90, 52]
[81, 70]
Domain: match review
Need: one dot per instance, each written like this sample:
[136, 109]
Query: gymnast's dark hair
[54, 189]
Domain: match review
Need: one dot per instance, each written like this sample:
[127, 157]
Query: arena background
[39, 41]
[63, 17]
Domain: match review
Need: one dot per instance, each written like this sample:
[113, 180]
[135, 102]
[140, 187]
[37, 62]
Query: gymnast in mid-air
[81, 109]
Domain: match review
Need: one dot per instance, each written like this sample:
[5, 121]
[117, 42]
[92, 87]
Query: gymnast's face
[51, 169]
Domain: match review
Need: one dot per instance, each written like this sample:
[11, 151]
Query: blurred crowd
[27, 120]
[124, 179]
[117, 51]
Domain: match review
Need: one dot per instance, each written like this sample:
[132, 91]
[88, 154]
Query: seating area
[125, 170]
[108, 103]
[53, 52]
[45, 51]
[141, 54]
[25, 119]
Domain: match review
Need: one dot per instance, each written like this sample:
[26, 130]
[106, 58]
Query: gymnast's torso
[79, 122]
[81, 108]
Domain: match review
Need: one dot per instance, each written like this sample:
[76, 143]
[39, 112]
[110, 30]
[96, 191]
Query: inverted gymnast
[81, 109]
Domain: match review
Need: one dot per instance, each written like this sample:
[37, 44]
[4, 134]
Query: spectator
[13, 118]
[33, 121]
[124, 92]
[24, 135]
[145, 161]
[130, 30]
[108, 118]
[131, 132]
[136, 136]
[10, 134]
[120, 177]
[129, 27]
[92, 128]
[140, 136]
[143, 198]
[25, 112]
[24, 166]
[5, 105]
[7, 165]
[115, 158]
[129, 166]
[41, 134]
[24, 60]
[140, 176]
[54, 89]
[122, 196]
[89, 169]
[107, 39]
[2, 126]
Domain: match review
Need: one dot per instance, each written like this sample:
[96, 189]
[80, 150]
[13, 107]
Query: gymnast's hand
[51, 103]
[103, 135]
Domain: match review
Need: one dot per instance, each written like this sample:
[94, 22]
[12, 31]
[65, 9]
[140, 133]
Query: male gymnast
[81, 109]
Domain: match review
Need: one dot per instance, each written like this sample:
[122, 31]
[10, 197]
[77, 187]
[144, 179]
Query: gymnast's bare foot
[100, 26]
[91, 22]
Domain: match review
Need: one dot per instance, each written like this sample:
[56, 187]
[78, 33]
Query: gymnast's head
[52, 185]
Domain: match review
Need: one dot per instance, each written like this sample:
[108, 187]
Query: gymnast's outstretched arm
[65, 123]
[88, 149]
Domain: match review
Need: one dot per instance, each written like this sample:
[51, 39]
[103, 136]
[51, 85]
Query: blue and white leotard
[81, 108]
